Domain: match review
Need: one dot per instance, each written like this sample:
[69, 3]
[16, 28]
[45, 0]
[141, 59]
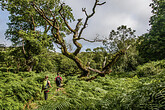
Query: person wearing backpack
[58, 80]
[45, 86]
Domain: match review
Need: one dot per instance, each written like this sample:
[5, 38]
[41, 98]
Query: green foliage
[119, 39]
[65, 65]
[143, 89]
[128, 62]
[17, 89]
[151, 68]
[87, 57]
[146, 93]
[111, 92]
[2, 56]
[46, 62]
[77, 95]
[31, 33]
[102, 93]
[14, 59]
[99, 56]
[8, 62]
[151, 45]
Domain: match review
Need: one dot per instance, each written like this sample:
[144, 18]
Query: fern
[16, 90]
[110, 92]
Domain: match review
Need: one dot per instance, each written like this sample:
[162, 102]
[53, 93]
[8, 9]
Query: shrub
[17, 89]
[151, 68]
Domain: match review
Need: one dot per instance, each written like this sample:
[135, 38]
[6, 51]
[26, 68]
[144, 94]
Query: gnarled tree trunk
[77, 32]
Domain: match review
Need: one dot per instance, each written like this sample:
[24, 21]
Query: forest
[126, 73]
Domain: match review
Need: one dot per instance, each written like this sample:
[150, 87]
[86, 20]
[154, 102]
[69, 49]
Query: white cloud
[114, 13]
[3, 27]
[133, 13]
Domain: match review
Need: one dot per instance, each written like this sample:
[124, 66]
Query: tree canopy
[152, 44]
[36, 26]
[54, 16]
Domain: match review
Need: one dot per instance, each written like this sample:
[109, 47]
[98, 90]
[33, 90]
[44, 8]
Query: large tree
[27, 30]
[151, 45]
[121, 39]
[56, 17]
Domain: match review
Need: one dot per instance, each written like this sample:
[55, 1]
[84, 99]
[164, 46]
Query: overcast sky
[133, 13]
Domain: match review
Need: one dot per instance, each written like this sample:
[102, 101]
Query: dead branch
[88, 16]
[106, 69]
[94, 70]
[84, 10]
[101, 3]
[87, 40]
[104, 62]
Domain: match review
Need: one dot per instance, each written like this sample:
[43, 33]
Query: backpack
[58, 81]
[45, 84]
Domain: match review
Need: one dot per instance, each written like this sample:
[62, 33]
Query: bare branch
[95, 70]
[87, 40]
[89, 16]
[101, 3]
[55, 36]
[95, 40]
[104, 62]
[84, 10]
[78, 45]
[128, 47]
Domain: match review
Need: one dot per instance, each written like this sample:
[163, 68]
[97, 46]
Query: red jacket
[60, 78]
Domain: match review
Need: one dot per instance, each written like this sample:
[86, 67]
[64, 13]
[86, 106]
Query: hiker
[45, 86]
[58, 80]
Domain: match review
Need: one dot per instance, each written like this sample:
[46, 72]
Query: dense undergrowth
[17, 89]
[140, 89]
[110, 93]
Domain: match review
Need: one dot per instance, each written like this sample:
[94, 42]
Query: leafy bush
[17, 89]
[110, 93]
[138, 94]
[67, 66]
[150, 68]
